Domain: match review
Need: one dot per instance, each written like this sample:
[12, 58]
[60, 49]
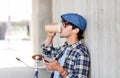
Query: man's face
[66, 30]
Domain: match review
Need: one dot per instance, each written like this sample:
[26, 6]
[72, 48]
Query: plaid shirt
[77, 61]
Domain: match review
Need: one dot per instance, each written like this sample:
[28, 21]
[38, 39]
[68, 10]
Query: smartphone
[46, 61]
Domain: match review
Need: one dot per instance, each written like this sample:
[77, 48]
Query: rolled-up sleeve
[49, 50]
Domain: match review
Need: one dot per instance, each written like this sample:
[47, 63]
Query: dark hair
[79, 34]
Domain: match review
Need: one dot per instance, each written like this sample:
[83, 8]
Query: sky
[17, 9]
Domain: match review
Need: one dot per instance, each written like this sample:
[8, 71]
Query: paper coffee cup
[52, 28]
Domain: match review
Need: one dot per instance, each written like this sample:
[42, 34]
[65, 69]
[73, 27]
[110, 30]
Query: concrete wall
[102, 35]
[41, 15]
[117, 38]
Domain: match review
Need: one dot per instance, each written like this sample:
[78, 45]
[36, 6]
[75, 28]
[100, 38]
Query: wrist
[48, 41]
[63, 72]
[50, 37]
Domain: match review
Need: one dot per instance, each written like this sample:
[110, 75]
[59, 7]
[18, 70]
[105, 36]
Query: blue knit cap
[75, 19]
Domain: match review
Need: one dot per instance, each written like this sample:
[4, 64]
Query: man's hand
[50, 35]
[53, 65]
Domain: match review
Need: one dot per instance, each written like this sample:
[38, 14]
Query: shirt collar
[70, 47]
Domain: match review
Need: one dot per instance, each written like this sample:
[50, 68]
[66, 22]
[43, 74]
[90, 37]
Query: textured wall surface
[102, 35]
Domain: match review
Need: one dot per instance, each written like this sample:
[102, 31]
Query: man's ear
[76, 30]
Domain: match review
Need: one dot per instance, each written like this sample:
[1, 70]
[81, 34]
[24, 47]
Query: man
[72, 59]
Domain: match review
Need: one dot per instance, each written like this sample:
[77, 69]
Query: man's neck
[72, 40]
